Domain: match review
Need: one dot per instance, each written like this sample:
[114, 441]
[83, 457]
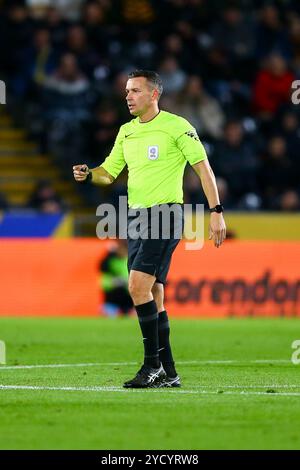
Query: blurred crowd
[228, 67]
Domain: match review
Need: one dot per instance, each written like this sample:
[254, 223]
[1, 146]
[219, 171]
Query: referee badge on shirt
[153, 152]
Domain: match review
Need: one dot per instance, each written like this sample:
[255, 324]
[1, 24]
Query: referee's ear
[155, 94]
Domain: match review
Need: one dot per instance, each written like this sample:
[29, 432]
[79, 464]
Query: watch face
[218, 208]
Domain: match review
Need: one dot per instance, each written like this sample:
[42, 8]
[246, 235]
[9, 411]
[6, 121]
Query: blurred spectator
[289, 201]
[236, 36]
[198, 107]
[174, 46]
[114, 281]
[272, 87]
[116, 96]
[224, 193]
[56, 26]
[77, 44]
[294, 32]
[66, 98]
[142, 53]
[43, 56]
[15, 32]
[68, 80]
[271, 36]
[193, 194]
[103, 131]
[94, 23]
[290, 130]
[217, 66]
[234, 158]
[191, 47]
[173, 77]
[45, 199]
[36, 63]
[277, 175]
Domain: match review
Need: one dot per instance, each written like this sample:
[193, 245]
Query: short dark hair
[152, 77]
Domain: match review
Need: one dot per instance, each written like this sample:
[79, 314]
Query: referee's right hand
[80, 172]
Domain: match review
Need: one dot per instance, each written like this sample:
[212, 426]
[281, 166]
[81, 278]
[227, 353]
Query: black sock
[165, 353]
[148, 318]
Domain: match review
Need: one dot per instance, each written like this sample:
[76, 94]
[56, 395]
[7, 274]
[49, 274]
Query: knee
[139, 286]
[133, 287]
[138, 292]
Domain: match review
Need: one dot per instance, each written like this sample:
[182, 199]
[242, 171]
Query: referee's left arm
[194, 152]
[217, 228]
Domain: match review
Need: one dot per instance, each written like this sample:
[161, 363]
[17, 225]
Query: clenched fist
[81, 172]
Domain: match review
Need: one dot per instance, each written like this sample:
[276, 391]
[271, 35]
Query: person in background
[272, 87]
[114, 281]
[198, 107]
[45, 199]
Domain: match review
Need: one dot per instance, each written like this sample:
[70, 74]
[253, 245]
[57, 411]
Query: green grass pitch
[240, 389]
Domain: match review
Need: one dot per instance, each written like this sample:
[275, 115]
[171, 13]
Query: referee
[155, 146]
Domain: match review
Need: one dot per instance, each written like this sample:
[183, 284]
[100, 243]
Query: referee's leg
[140, 288]
[165, 351]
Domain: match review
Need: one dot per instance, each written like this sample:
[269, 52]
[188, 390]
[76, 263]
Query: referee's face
[139, 96]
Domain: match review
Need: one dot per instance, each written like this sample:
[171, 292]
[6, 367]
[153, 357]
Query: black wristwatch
[218, 209]
[89, 176]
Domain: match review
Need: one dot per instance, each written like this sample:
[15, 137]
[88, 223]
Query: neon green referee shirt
[155, 153]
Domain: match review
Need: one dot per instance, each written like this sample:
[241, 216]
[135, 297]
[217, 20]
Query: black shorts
[153, 255]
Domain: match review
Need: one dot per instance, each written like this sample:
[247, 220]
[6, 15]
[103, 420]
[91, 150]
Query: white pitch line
[221, 387]
[116, 389]
[282, 394]
[108, 364]
[64, 388]
[49, 366]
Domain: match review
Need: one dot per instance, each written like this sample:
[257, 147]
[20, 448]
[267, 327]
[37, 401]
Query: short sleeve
[191, 147]
[115, 162]
[187, 141]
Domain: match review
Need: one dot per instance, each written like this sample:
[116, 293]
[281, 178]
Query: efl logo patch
[153, 152]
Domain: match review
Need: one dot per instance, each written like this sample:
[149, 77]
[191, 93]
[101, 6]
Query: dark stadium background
[230, 68]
